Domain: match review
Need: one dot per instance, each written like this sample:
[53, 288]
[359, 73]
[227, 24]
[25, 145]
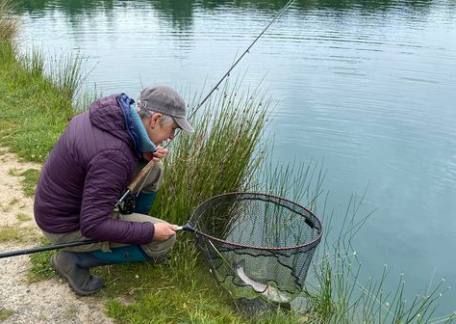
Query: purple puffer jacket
[86, 172]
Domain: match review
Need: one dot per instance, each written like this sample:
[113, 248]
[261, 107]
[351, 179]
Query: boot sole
[70, 281]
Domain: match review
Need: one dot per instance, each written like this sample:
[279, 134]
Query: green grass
[33, 111]
[66, 74]
[35, 107]
[167, 295]
[5, 313]
[29, 182]
[13, 201]
[13, 172]
[180, 292]
[23, 217]
[11, 233]
[8, 25]
[41, 267]
[33, 62]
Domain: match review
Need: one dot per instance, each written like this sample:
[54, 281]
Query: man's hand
[159, 154]
[163, 231]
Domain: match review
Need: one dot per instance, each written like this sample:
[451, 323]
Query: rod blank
[43, 248]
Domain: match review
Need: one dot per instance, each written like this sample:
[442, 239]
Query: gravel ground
[50, 301]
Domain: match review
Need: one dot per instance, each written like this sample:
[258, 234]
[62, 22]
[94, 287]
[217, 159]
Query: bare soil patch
[49, 301]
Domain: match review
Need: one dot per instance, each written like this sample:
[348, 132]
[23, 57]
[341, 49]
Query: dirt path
[49, 301]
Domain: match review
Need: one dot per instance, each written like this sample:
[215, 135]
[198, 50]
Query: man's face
[160, 130]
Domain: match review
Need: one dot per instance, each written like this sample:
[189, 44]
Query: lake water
[367, 87]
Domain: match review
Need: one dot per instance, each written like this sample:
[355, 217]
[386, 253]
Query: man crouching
[89, 169]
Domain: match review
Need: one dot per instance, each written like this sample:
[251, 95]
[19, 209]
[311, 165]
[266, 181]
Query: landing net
[257, 245]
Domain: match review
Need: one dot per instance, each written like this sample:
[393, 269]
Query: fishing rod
[126, 202]
[277, 16]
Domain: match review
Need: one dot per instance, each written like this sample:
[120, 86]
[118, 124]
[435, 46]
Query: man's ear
[154, 120]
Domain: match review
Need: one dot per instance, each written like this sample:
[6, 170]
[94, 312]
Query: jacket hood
[106, 114]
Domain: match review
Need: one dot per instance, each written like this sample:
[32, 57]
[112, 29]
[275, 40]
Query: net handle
[185, 228]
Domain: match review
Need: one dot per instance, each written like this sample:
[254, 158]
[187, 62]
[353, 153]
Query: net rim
[308, 245]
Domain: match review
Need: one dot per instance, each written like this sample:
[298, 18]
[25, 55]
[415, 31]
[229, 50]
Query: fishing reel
[127, 203]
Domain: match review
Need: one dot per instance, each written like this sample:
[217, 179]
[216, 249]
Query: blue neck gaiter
[145, 144]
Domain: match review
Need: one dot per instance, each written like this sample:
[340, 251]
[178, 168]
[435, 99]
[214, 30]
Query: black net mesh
[257, 245]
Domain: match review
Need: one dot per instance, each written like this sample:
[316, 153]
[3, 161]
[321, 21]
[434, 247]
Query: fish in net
[258, 246]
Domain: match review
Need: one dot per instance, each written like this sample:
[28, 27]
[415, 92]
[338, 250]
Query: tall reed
[335, 291]
[33, 62]
[339, 295]
[8, 24]
[67, 75]
[220, 156]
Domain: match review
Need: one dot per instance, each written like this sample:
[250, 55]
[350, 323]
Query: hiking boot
[74, 267]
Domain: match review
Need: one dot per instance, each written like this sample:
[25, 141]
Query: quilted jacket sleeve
[106, 179]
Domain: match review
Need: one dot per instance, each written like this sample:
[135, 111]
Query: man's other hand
[161, 152]
[164, 231]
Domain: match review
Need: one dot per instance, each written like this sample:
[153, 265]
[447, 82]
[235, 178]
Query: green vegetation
[224, 154]
[15, 233]
[31, 177]
[8, 26]
[11, 233]
[338, 294]
[23, 217]
[13, 201]
[33, 110]
[218, 157]
[41, 267]
[174, 293]
[5, 313]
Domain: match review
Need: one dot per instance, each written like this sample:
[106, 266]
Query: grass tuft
[11, 233]
[338, 295]
[66, 74]
[41, 268]
[29, 182]
[85, 98]
[33, 111]
[13, 201]
[5, 313]
[222, 155]
[33, 63]
[8, 24]
[23, 217]
[13, 172]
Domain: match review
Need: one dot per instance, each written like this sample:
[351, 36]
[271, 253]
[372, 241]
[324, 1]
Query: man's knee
[156, 249]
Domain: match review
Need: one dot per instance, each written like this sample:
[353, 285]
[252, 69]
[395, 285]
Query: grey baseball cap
[167, 101]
